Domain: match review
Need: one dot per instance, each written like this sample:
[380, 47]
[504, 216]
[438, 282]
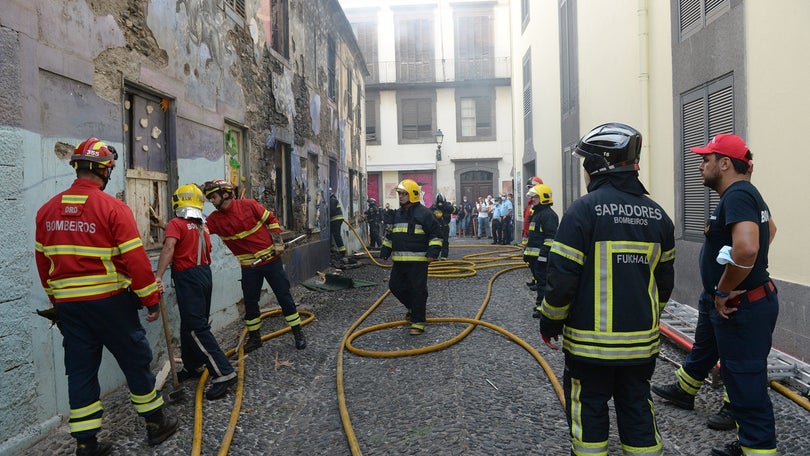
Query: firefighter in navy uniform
[253, 235]
[94, 269]
[443, 212]
[610, 273]
[373, 218]
[412, 243]
[335, 223]
[542, 228]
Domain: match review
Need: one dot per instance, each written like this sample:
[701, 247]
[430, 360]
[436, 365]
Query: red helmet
[93, 154]
[218, 185]
[534, 180]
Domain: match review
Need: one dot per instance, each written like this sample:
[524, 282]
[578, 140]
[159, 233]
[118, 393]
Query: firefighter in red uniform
[610, 273]
[253, 235]
[187, 246]
[95, 271]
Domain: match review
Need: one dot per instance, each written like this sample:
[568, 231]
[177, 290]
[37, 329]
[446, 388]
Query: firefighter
[443, 212]
[335, 222]
[527, 217]
[373, 218]
[95, 271]
[542, 228]
[412, 243]
[610, 273]
[253, 235]
[187, 246]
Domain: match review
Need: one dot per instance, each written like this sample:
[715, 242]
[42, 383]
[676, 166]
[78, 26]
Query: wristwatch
[720, 294]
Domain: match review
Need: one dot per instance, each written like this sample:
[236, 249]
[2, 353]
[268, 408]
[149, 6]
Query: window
[349, 104]
[705, 112]
[366, 35]
[146, 121]
[527, 97]
[331, 69]
[414, 50]
[524, 13]
[475, 117]
[235, 9]
[693, 15]
[279, 40]
[372, 119]
[235, 155]
[474, 47]
[416, 112]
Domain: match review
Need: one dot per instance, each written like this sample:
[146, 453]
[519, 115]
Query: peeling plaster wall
[64, 67]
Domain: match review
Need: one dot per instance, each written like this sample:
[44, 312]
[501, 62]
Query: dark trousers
[198, 346]
[374, 235]
[445, 241]
[334, 230]
[408, 283]
[744, 342]
[497, 231]
[588, 388]
[88, 327]
[507, 227]
[704, 355]
[276, 276]
[539, 270]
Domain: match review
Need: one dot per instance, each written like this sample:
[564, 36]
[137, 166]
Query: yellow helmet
[542, 192]
[412, 189]
[187, 201]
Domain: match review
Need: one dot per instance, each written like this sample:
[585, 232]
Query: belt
[752, 295]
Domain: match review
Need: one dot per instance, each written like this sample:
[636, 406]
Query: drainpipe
[644, 88]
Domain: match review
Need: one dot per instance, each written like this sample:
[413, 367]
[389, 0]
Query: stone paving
[483, 396]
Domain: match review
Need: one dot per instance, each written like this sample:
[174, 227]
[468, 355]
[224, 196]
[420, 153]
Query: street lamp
[439, 139]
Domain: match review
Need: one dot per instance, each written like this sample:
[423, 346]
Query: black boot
[300, 340]
[722, 420]
[92, 447]
[159, 427]
[673, 393]
[219, 389]
[254, 341]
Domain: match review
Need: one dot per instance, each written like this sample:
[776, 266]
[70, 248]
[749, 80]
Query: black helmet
[440, 199]
[610, 148]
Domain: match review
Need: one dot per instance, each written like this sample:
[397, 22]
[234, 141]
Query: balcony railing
[447, 70]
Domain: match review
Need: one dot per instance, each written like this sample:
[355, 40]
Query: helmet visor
[189, 213]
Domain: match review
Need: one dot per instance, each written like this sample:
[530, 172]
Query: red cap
[724, 144]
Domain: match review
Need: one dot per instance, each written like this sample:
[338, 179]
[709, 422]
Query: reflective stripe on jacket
[245, 228]
[88, 247]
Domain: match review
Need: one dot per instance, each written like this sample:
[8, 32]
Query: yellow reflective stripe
[618, 338]
[74, 199]
[146, 403]
[387, 243]
[548, 242]
[39, 247]
[254, 324]
[84, 425]
[755, 451]
[130, 245]
[88, 410]
[102, 253]
[579, 447]
[609, 353]
[435, 241]
[93, 290]
[531, 251]
[655, 450]
[399, 228]
[247, 259]
[568, 252]
[668, 255]
[243, 234]
[688, 383]
[335, 218]
[409, 256]
[554, 313]
[147, 290]
[532, 225]
[293, 319]
[576, 409]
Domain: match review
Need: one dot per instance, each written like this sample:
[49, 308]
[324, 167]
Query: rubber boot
[92, 447]
[254, 341]
[300, 340]
[159, 427]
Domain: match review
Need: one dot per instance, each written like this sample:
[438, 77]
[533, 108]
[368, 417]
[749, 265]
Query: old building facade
[264, 93]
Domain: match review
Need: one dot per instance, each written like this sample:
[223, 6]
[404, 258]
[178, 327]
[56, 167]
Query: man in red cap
[738, 305]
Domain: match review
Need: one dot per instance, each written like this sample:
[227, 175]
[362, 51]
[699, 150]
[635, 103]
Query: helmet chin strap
[105, 176]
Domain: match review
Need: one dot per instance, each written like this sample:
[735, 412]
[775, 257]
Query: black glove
[51, 314]
[550, 328]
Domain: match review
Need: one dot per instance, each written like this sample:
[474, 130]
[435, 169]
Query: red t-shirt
[187, 233]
